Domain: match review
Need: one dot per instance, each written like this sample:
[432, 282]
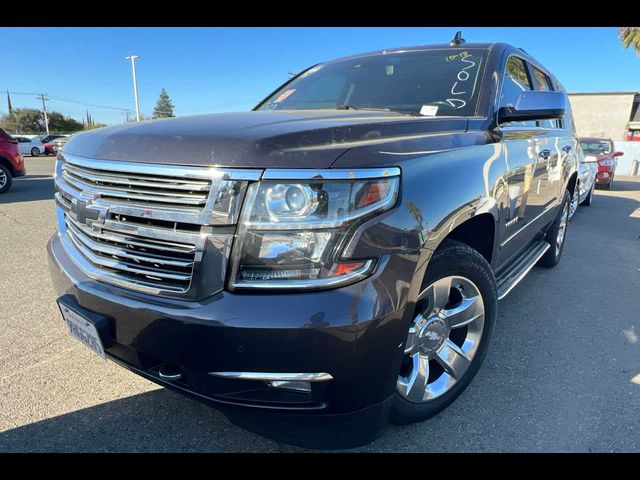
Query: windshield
[442, 82]
[596, 148]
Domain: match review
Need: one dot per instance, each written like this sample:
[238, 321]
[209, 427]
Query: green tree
[30, 121]
[26, 121]
[164, 107]
[630, 37]
[59, 123]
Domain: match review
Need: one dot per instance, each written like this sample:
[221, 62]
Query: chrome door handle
[544, 153]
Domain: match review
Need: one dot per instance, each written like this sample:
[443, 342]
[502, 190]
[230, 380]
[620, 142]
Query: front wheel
[449, 335]
[35, 152]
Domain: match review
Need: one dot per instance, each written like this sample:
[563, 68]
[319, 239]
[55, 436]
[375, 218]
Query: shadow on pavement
[155, 421]
[29, 188]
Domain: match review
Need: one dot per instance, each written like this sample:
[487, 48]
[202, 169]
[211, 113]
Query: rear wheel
[556, 235]
[575, 201]
[35, 152]
[587, 201]
[5, 179]
[449, 335]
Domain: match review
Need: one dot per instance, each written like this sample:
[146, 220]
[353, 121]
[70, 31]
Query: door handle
[566, 148]
[544, 153]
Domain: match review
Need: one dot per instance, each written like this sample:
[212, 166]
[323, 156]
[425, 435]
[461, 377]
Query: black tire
[454, 258]
[552, 257]
[607, 186]
[35, 152]
[587, 201]
[5, 179]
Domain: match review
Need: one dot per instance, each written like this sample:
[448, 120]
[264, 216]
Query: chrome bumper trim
[271, 376]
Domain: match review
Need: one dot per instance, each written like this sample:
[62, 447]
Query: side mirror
[535, 105]
[618, 154]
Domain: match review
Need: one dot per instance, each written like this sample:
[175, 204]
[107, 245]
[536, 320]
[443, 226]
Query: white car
[29, 145]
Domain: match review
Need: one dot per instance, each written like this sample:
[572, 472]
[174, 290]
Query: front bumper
[604, 177]
[354, 333]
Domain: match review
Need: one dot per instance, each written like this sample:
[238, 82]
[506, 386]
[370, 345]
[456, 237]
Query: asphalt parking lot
[562, 373]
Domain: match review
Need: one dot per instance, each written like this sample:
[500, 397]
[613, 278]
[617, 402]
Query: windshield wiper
[372, 109]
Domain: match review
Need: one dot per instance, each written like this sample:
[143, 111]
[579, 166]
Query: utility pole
[126, 113]
[44, 98]
[135, 84]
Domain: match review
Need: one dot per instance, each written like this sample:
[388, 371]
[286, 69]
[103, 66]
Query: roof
[418, 48]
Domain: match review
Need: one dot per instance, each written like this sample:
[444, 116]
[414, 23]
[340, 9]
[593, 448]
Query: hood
[285, 139]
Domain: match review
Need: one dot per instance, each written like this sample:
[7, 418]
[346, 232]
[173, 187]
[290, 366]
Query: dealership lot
[562, 373]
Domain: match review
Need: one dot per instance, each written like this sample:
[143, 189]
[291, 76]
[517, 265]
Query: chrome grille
[135, 257]
[151, 189]
[147, 227]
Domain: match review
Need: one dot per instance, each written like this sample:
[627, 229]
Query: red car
[605, 152]
[11, 162]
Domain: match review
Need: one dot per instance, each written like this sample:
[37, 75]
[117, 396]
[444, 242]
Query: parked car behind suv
[604, 151]
[333, 258]
[30, 145]
[47, 141]
[11, 161]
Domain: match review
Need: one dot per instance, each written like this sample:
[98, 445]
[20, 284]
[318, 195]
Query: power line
[87, 104]
[58, 99]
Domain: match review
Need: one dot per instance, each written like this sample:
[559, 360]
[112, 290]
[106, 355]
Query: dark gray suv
[333, 258]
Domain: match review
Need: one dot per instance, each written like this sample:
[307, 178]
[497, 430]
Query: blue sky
[227, 69]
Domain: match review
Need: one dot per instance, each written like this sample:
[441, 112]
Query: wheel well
[478, 233]
[9, 165]
[572, 183]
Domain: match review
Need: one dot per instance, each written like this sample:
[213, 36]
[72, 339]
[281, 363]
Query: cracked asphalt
[562, 373]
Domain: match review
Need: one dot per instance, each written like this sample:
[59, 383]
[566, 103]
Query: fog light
[296, 385]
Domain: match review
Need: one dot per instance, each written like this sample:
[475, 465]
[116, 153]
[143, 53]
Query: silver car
[583, 193]
[58, 144]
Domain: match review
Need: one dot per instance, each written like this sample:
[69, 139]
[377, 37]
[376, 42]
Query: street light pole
[135, 84]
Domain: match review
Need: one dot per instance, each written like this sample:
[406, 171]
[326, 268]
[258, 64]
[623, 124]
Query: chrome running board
[509, 277]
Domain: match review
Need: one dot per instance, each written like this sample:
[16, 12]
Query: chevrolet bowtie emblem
[84, 210]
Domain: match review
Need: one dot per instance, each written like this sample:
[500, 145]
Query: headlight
[606, 163]
[292, 233]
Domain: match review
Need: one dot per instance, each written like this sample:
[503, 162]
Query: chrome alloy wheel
[443, 338]
[573, 206]
[3, 179]
[562, 228]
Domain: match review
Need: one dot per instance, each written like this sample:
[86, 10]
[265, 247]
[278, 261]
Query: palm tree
[630, 36]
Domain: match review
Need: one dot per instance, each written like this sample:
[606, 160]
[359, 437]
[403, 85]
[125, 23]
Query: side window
[515, 81]
[544, 83]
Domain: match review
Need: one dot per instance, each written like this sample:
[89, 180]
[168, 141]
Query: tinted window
[440, 82]
[543, 82]
[515, 81]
